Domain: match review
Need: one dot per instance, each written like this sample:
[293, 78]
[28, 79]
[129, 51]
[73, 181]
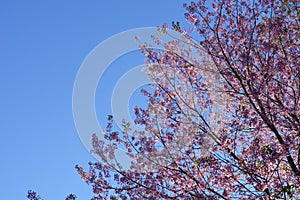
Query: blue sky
[42, 45]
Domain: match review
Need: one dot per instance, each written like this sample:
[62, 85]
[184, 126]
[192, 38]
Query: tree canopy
[223, 118]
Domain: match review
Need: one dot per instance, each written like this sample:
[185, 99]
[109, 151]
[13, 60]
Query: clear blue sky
[42, 45]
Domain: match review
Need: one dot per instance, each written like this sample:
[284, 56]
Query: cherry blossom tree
[223, 117]
[223, 125]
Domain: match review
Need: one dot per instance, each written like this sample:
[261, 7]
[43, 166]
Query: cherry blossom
[223, 117]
